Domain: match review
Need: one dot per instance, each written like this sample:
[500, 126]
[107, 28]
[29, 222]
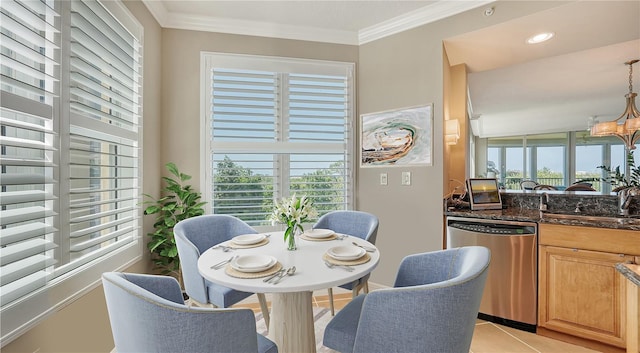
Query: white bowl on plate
[346, 252]
[253, 263]
[318, 233]
[248, 239]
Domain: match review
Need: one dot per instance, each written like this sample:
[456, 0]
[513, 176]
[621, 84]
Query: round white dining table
[291, 326]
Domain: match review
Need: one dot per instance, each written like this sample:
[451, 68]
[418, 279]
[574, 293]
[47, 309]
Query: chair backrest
[528, 184]
[208, 230]
[544, 187]
[580, 187]
[433, 306]
[359, 224]
[147, 314]
[197, 234]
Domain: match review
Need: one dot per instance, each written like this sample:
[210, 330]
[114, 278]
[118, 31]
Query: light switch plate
[383, 179]
[406, 178]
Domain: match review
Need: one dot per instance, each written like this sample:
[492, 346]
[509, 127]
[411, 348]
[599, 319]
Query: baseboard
[374, 286]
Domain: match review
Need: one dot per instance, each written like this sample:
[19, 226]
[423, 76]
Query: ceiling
[517, 88]
[514, 88]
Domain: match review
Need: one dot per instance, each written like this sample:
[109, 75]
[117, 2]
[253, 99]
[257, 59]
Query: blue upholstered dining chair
[148, 314]
[431, 308]
[355, 223]
[194, 236]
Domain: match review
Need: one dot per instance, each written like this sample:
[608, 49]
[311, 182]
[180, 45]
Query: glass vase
[290, 236]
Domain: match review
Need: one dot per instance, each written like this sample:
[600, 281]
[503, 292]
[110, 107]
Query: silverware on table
[366, 248]
[331, 265]
[222, 263]
[274, 275]
[289, 272]
[224, 248]
[279, 275]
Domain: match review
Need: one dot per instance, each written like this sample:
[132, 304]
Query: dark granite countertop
[596, 210]
[528, 215]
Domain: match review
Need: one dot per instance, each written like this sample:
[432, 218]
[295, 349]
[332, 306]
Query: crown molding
[260, 29]
[431, 13]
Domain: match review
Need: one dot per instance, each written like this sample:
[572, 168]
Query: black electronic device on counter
[484, 194]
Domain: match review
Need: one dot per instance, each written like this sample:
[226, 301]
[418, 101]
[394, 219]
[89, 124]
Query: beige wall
[83, 325]
[398, 71]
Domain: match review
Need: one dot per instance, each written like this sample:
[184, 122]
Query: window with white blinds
[274, 127]
[69, 152]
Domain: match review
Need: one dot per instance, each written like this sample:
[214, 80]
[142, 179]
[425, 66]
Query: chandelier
[627, 125]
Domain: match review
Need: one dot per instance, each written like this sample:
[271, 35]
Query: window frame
[67, 283]
[278, 64]
[570, 144]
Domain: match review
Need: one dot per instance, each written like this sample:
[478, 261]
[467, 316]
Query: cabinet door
[582, 294]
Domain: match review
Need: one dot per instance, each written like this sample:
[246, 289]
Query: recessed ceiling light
[540, 37]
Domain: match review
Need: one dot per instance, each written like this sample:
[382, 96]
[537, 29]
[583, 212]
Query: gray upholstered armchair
[355, 223]
[196, 235]
[148, 314]
[431, 308]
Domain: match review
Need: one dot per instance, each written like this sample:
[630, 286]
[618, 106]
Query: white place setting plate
[346, 252]
[318, 233]
[248, 239]
[253, 263]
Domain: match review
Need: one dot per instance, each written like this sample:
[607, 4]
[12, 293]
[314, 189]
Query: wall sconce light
[451, 131]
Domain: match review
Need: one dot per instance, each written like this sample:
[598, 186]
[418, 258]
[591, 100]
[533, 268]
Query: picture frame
[397, 138]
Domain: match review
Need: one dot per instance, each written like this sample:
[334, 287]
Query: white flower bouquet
[293, 212]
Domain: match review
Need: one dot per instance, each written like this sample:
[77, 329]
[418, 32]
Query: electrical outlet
[383, 179]
[406, 178]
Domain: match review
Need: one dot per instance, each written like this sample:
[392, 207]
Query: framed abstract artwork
[402, 137]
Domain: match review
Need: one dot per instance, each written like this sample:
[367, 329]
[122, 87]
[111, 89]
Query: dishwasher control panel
[492, 228]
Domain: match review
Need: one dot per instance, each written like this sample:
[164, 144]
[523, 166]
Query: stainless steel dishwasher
[510, 295]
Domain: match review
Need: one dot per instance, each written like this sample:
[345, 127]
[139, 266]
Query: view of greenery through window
[241, 192]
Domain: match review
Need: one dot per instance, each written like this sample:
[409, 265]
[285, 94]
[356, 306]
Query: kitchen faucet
[624, 199]
[544, 201]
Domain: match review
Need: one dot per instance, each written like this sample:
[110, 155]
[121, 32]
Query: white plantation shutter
[70, 166]
[28, 210]
[274, 127]
[318, 112]
[30, 63]
[245, 105]
[103, 146]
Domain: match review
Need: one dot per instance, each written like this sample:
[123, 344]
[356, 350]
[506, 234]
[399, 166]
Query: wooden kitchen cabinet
[580, 293]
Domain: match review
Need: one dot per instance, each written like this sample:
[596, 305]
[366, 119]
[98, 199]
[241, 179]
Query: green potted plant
[619, 180]
[177, 202]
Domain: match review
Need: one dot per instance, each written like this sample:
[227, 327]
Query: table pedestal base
[291, 326]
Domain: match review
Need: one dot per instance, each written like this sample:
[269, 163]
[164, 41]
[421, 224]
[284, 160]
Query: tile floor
[487, 338]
